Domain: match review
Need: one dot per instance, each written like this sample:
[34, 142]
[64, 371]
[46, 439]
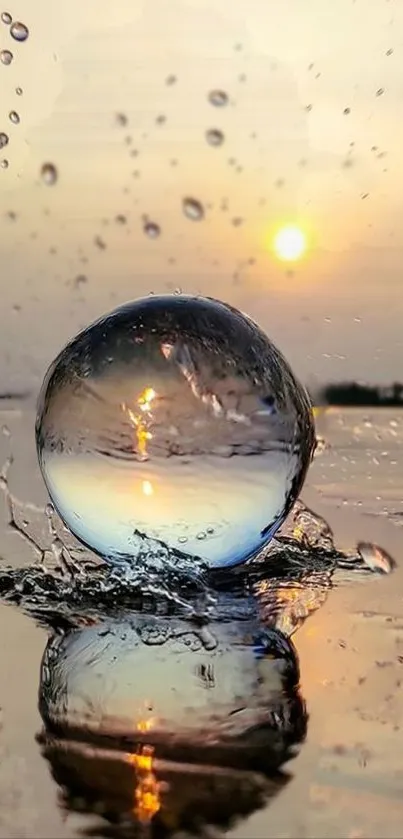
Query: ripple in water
[169, 418]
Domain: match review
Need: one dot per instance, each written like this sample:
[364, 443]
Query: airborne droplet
[14, 117]
[214, 137]
[6, 57]
[3, 139]
[49, 174]
[19, 31]
[218, 98]
[6, 18]
[151, 229]
[193, 209]
[19, 91]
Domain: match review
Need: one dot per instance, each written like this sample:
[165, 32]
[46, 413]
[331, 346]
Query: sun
[290, 243]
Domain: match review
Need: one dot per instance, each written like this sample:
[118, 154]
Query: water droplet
[214, 137]
[6, 18]
[161, 119]
[170, 80]
[121, 219]
[151, 229]
[201, 535]
[49, 174]
[6, 57]
[193, 209]
[209, 370]
[122, 119]
[218, 98]
[19, 31]
[347, 111]
[4, 164]
[3, 139]
[389, 51]
[14, 117]
[182, 539]
[375, 557]
[19, 91]
[5, 431]
[380, 91]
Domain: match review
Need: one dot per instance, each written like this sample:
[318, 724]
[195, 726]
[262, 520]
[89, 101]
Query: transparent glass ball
[176, 419]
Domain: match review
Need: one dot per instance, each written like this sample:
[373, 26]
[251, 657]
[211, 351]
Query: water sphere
[176, 419]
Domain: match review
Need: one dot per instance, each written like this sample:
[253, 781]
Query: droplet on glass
[4, 164]
[14, 117]
[19, 91]
[218, 98]
[118, 476]
[6, 57]
[214, 137]
[3, 139]
[122, 119]
[193, 209]
[19, 31]
[389, 51]
[151, 229]
[380, 91]
[347, 111]
[170, 80]
[49, 174]
[6, 18]
[161, 119]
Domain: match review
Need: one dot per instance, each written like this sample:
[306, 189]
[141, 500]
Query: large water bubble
[175, 419]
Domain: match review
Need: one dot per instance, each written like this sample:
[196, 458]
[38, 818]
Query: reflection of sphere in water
[173, 418]
[225, 694]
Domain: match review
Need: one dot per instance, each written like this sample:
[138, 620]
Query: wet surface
[346, 779]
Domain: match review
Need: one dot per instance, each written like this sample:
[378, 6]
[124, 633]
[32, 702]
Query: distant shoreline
[349, 394]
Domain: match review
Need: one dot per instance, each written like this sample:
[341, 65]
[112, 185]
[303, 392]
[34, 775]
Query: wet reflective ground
[346, 779]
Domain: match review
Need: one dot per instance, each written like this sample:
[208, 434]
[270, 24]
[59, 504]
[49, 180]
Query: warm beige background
[340, 313]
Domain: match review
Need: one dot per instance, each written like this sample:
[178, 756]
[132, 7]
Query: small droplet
[49, 174]
[161, 119]
[6, 18]
[6, 57]
[237, 221]
[170, 80]
[4, 164]
[375, 557]
[182, 539]
[214, 137]
[19, 91]
[120, 219]
[151, 229]
[19, 31]
[14, 117]
[380, 91]
[218, 98]
[5, 431]
[347, 111]
[389, 51]
[3, 139]
[193, 209]
[201, 535]
[121, 119]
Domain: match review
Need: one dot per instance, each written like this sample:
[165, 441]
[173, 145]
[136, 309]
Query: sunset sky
[313, 137]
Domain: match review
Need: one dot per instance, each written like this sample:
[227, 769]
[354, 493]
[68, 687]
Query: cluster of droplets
[19, 32]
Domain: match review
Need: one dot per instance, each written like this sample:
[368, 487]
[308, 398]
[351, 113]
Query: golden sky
[313, 135]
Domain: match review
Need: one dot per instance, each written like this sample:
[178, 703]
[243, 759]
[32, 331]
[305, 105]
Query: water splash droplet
[214, 137]
[193, 209]
[19, 31]
[19, 91]
[375, 558]
[49, 174]
[6, 57]
[151, 229]
[6, 18]
[4, 164]
[170, 80]
[14, 117]
[3, 139]
[205, 369]
[218, 98]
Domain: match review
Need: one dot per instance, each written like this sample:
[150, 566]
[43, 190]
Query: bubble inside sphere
[173, 418]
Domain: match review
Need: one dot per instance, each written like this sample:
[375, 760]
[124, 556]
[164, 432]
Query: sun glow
[290, 243]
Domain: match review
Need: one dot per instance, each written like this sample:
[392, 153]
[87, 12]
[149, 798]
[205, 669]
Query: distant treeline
[352, 393]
